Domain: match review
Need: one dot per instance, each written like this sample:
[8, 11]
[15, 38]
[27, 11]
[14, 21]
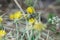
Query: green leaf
[53, 28]
[51, 15]
[32, 38]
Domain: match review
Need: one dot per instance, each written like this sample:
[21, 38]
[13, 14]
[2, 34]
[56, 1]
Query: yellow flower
[17, 15]
[31, 20]
[1, 19]
[2, 33]
[39, 26]
[11, 16]
[30, 10]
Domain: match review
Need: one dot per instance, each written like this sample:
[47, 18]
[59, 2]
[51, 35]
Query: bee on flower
[39, 26]
[30, 10]
[2, 33]
[16, 15]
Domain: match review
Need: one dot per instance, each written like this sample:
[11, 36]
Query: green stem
[27, 31]
[37, 36]
[17, 31]
[28, 35]
[23, 35]
[39, 17]
[47, 38]
[31, 33]
[35, 3]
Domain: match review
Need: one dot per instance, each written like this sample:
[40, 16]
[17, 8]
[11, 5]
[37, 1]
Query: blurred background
[45, 6]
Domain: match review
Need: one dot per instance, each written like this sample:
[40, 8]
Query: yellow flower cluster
[30, 10]
[39, 26]
[2, 33]
[1, 19]
[31, 20]
[16, 15]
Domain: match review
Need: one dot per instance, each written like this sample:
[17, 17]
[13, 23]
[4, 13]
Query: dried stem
[19, 6]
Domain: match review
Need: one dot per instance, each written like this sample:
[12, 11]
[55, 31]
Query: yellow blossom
[2, 33]
[39, 26]
[1, 19]
[17, 15]
[30, 10]
[31, 20]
